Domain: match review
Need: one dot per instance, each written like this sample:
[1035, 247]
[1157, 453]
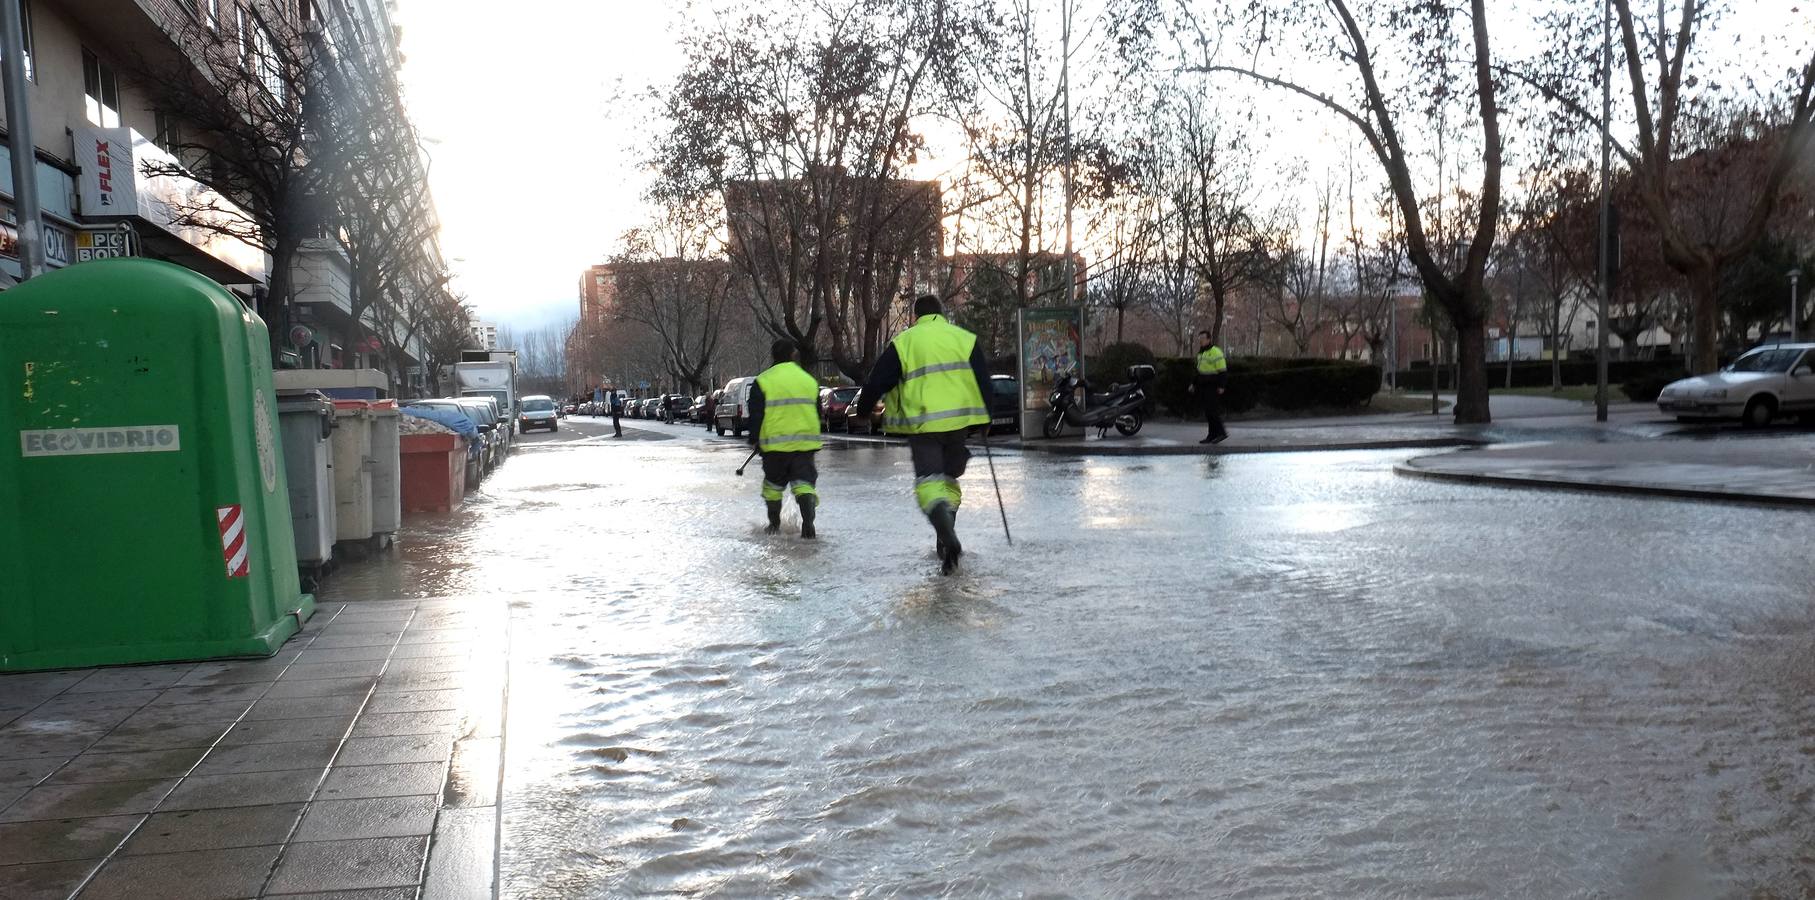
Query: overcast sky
[533, 114]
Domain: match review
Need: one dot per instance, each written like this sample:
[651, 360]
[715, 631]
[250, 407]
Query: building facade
[115, 163]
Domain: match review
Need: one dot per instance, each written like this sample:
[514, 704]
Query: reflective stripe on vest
[1211, 361]
[938, 392]
[790, 410]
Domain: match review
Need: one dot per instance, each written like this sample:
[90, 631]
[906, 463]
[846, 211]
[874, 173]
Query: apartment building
[110, 184]
[94, 129]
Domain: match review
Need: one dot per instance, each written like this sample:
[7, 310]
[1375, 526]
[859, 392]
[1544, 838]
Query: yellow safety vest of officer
[790, 410]
[938, 391]
[784, 413]
[1210, 361]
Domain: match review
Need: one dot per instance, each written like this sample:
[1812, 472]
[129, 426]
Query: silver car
[538, 411]
[1764, 384]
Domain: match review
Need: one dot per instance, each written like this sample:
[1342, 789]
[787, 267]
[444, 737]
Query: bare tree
[802, 117]
[1709, 204]
[668, 281]
[253, 95]
[1425, 40]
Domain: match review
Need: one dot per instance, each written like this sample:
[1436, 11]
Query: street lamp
[1795, 308]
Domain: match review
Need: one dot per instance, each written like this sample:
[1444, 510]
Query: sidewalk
[364, 756]
[1772, 470]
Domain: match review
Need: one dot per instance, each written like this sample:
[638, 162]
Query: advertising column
[1050, 346]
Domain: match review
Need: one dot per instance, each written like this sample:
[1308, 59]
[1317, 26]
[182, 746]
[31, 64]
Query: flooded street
[1257, 676]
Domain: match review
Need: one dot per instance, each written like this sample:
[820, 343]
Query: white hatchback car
[539, 411]
[1765, 383]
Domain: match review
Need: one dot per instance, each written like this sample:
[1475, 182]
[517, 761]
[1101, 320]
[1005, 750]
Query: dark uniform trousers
[939, 454]
[783, 467]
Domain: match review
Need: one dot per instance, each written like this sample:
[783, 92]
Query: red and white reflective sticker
[233, 541]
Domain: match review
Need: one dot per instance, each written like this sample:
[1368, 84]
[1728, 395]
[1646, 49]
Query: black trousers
[614, 423]
[782, 468]
[1213, 410]
[939, 461]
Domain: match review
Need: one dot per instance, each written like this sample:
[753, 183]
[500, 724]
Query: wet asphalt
[1280, 675]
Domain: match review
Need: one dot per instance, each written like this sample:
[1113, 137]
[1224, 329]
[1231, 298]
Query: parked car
[854, 424]
[648, 408]
[696, 411]
[673, 407]
[1760, 386]
[1004, 403]
[487, 408]
[569, 409]
[538, 411]
[733, 406]
[833, 403]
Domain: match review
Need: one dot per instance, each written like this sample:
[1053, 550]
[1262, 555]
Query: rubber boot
[774, 515]
[808, 505]
[944, 520]
[939, 542]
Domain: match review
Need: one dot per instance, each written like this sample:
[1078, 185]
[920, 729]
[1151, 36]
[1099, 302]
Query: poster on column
[1050, 346]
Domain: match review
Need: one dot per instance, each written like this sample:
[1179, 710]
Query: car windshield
[538, 405]
[1776, 359]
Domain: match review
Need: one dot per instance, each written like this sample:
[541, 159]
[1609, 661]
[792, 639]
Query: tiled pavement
[362, 762]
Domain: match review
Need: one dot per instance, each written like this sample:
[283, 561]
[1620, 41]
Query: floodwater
[1260, 676]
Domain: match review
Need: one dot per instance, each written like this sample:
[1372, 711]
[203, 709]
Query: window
[102, 90]
[169, 132]
[211, 11]
[263, 60]
[25, 22]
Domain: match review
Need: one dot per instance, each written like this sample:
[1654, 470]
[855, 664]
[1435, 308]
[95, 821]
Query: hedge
[1278, 383]
[1536, 373]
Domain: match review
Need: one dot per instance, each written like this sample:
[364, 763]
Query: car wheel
[1759, 412]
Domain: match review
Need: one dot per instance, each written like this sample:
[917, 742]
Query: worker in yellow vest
[1212, 377]
[784, 426]
[932, 379]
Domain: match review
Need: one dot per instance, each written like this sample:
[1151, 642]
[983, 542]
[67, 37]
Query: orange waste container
[434, 472]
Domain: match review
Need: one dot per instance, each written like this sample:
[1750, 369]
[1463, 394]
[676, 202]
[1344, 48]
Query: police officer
[784, 426]
[932, 379]
[1212, 376]
[615, 403]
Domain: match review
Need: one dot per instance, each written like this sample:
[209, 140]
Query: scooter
[1119, 407]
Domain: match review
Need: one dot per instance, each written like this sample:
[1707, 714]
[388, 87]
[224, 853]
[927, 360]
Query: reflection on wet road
[1268, 676]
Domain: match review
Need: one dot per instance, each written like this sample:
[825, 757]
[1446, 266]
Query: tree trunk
[1556, 347]
[1704, 280]
[1512, 341]
[1471, 373]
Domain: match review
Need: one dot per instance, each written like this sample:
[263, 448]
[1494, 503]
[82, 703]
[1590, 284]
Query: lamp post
[19, 141]
[1600, 336]
[1795, 307]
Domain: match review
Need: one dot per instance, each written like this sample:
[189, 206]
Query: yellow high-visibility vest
[938, 392]
[790, 410]
[1211, 361]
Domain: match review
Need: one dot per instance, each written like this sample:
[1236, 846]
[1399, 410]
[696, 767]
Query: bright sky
[532, 163]
[535, 130]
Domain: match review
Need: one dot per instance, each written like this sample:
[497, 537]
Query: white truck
[490, 373]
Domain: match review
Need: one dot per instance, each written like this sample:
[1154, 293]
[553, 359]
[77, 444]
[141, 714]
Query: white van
[733, 406]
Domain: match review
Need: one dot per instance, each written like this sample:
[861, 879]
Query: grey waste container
[387, 469]
[352, 470]
[305, 423]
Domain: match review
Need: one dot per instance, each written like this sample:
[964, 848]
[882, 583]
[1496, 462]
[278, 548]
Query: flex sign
[93, 441]
[108, 185]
